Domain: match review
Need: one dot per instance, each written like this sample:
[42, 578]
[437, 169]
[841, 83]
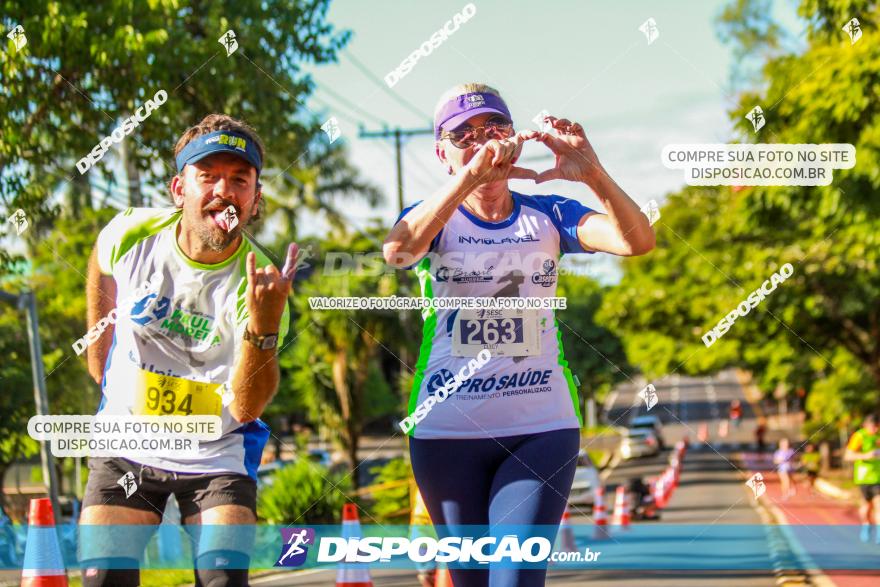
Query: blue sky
[583, 60]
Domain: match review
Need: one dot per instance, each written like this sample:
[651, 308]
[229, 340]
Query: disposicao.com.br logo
[295, 547]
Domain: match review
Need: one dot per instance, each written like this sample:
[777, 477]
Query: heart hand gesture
[575, 158]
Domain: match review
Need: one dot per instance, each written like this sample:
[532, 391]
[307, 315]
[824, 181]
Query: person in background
[863, 448]
[760, 434]
[735, 413]
[783, 458]
[810, 460]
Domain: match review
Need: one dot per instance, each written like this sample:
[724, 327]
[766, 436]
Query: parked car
[639, 442]
[652, 423]
[586, 479]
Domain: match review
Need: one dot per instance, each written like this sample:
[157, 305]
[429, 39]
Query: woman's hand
[575, 158]
[495, 160]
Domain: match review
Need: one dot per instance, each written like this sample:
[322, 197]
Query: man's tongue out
[223, 218]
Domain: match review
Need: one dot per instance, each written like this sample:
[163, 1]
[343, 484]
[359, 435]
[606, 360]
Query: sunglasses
[465, 137]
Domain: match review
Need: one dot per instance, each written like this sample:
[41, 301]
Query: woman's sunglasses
[465, 137]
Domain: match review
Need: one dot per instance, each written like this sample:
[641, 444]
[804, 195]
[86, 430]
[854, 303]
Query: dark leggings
[124, 572]
[522, 480]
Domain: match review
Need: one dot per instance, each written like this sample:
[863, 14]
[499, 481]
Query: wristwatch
[263, 341]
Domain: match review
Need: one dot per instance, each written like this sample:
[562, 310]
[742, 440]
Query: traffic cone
[600, 530]
[680, 447]
[566, 533]
[43, 564]
[621, 508]
[674, 467]
[352, 574]
[442, 578]
[658, 491]
[668, 485]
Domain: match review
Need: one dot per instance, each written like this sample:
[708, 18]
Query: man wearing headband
[196, 332]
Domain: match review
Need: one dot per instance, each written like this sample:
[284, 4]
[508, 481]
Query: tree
[335, 367]
[821, 329]
[594, 354]
[57, 276]
[88, 66]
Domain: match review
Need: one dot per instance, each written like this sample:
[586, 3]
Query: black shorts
[195, 492]
[869, 492]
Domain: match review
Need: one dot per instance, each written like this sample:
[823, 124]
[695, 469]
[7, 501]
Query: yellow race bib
[163, 395]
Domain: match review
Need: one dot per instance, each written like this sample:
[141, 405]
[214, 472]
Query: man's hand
[267, 292]
[575, 158]
[495, 160]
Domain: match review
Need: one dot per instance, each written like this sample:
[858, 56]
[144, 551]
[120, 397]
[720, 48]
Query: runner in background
[200, 341]
[760, 435]
[735, 413]
[503, 448]
[811, 462]
[783, 458]
[863, 449]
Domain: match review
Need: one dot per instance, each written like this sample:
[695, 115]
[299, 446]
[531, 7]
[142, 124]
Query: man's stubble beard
[215, 239]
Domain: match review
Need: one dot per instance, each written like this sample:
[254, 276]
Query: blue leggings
[522, 479]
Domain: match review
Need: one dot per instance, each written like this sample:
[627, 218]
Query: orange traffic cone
[668, 484]
[600, 517]
[43, 563]
[443, 578]
[659, 492]
[621, 508]
[566, 533]
[352, 574]
[680, 448]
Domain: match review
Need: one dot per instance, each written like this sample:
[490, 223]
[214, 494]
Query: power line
[397, 134]
[337, 111]
[384, 87]
[424, 168]
[352, 106]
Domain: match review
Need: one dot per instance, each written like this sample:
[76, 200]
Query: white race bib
[512, 333]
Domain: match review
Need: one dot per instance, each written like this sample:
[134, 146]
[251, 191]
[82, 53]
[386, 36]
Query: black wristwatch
[263, 341]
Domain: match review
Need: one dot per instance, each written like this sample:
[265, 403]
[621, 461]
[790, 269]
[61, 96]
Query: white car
[639, 442]
[652, 423]
[586, 479]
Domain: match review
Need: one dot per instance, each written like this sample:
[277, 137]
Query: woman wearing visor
[500, 447]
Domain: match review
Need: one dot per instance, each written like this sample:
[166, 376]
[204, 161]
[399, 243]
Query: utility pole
[397, 134]
[28, 301]
[402, 275]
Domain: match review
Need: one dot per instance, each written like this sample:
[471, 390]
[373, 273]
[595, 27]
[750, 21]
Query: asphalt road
[711, 492]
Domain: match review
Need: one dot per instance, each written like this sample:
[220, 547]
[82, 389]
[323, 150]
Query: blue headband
[221, 141]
